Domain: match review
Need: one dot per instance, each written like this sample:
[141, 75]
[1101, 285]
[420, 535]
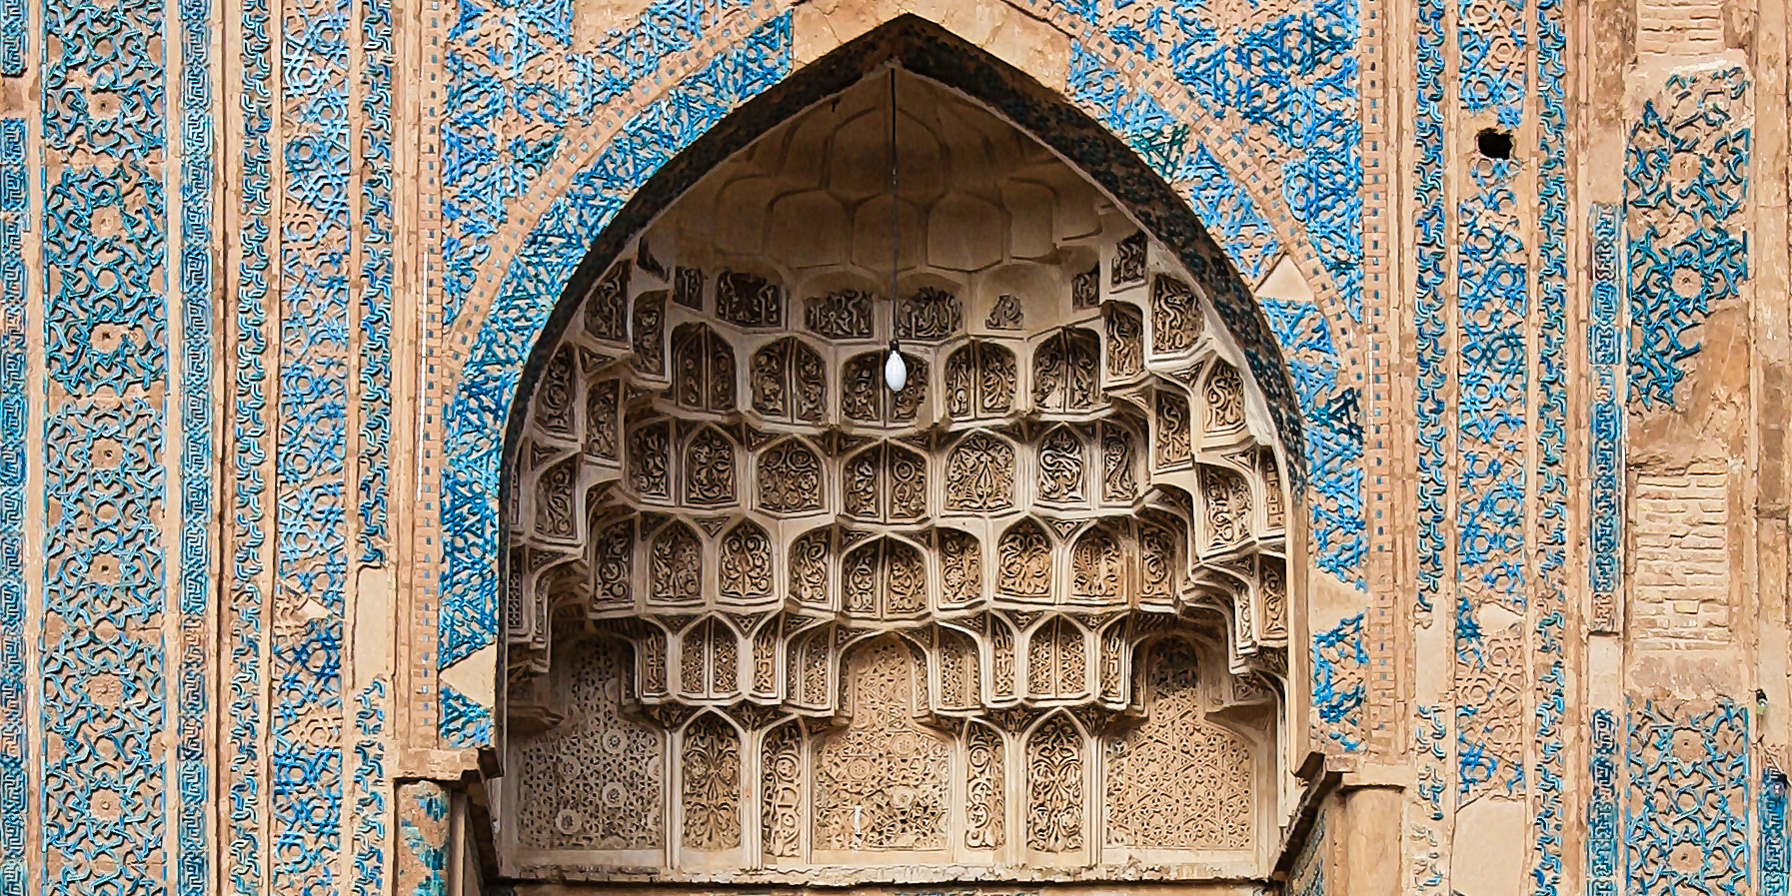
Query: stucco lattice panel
[1175, 762]
[882, 784]
[867, 790]
[596, 781]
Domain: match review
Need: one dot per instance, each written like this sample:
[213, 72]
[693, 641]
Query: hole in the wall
[1494, 144]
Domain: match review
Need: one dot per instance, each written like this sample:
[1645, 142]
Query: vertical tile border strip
[1433, 781]
[1377, 100]
[15, 41]
[376, 278]
[369, 844]
[1494, 364]
[1431, 337]
[369, 836]
[15, 801]
[251, 441]
[192, 759]
[1602, 805]
[1431, 332]
[1776, 863]
[421, 866]
[1550, 614]
[1607, 336]
[105, 632]
[1490, 519]
[420, 588]
[306, 780]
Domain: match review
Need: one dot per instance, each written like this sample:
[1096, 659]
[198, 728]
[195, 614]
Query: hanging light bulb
[895, 369]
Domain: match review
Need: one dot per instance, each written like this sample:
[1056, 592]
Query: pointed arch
[675, 566]
[919, 46]
[925, 411]
[709, 770]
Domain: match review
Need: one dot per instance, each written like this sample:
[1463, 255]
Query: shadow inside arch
[924, 48]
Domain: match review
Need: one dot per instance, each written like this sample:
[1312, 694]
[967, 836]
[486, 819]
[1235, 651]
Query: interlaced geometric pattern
[122, 635]
[1685, 189]
[1227, 209]
[311, 487]
[1281, 76]
[1333, 435]
[1490, 516]
[1340, 682]
[544, 264]
[516, 80]
[1686, 822]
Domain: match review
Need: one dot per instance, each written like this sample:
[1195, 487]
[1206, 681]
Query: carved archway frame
[489, 352]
